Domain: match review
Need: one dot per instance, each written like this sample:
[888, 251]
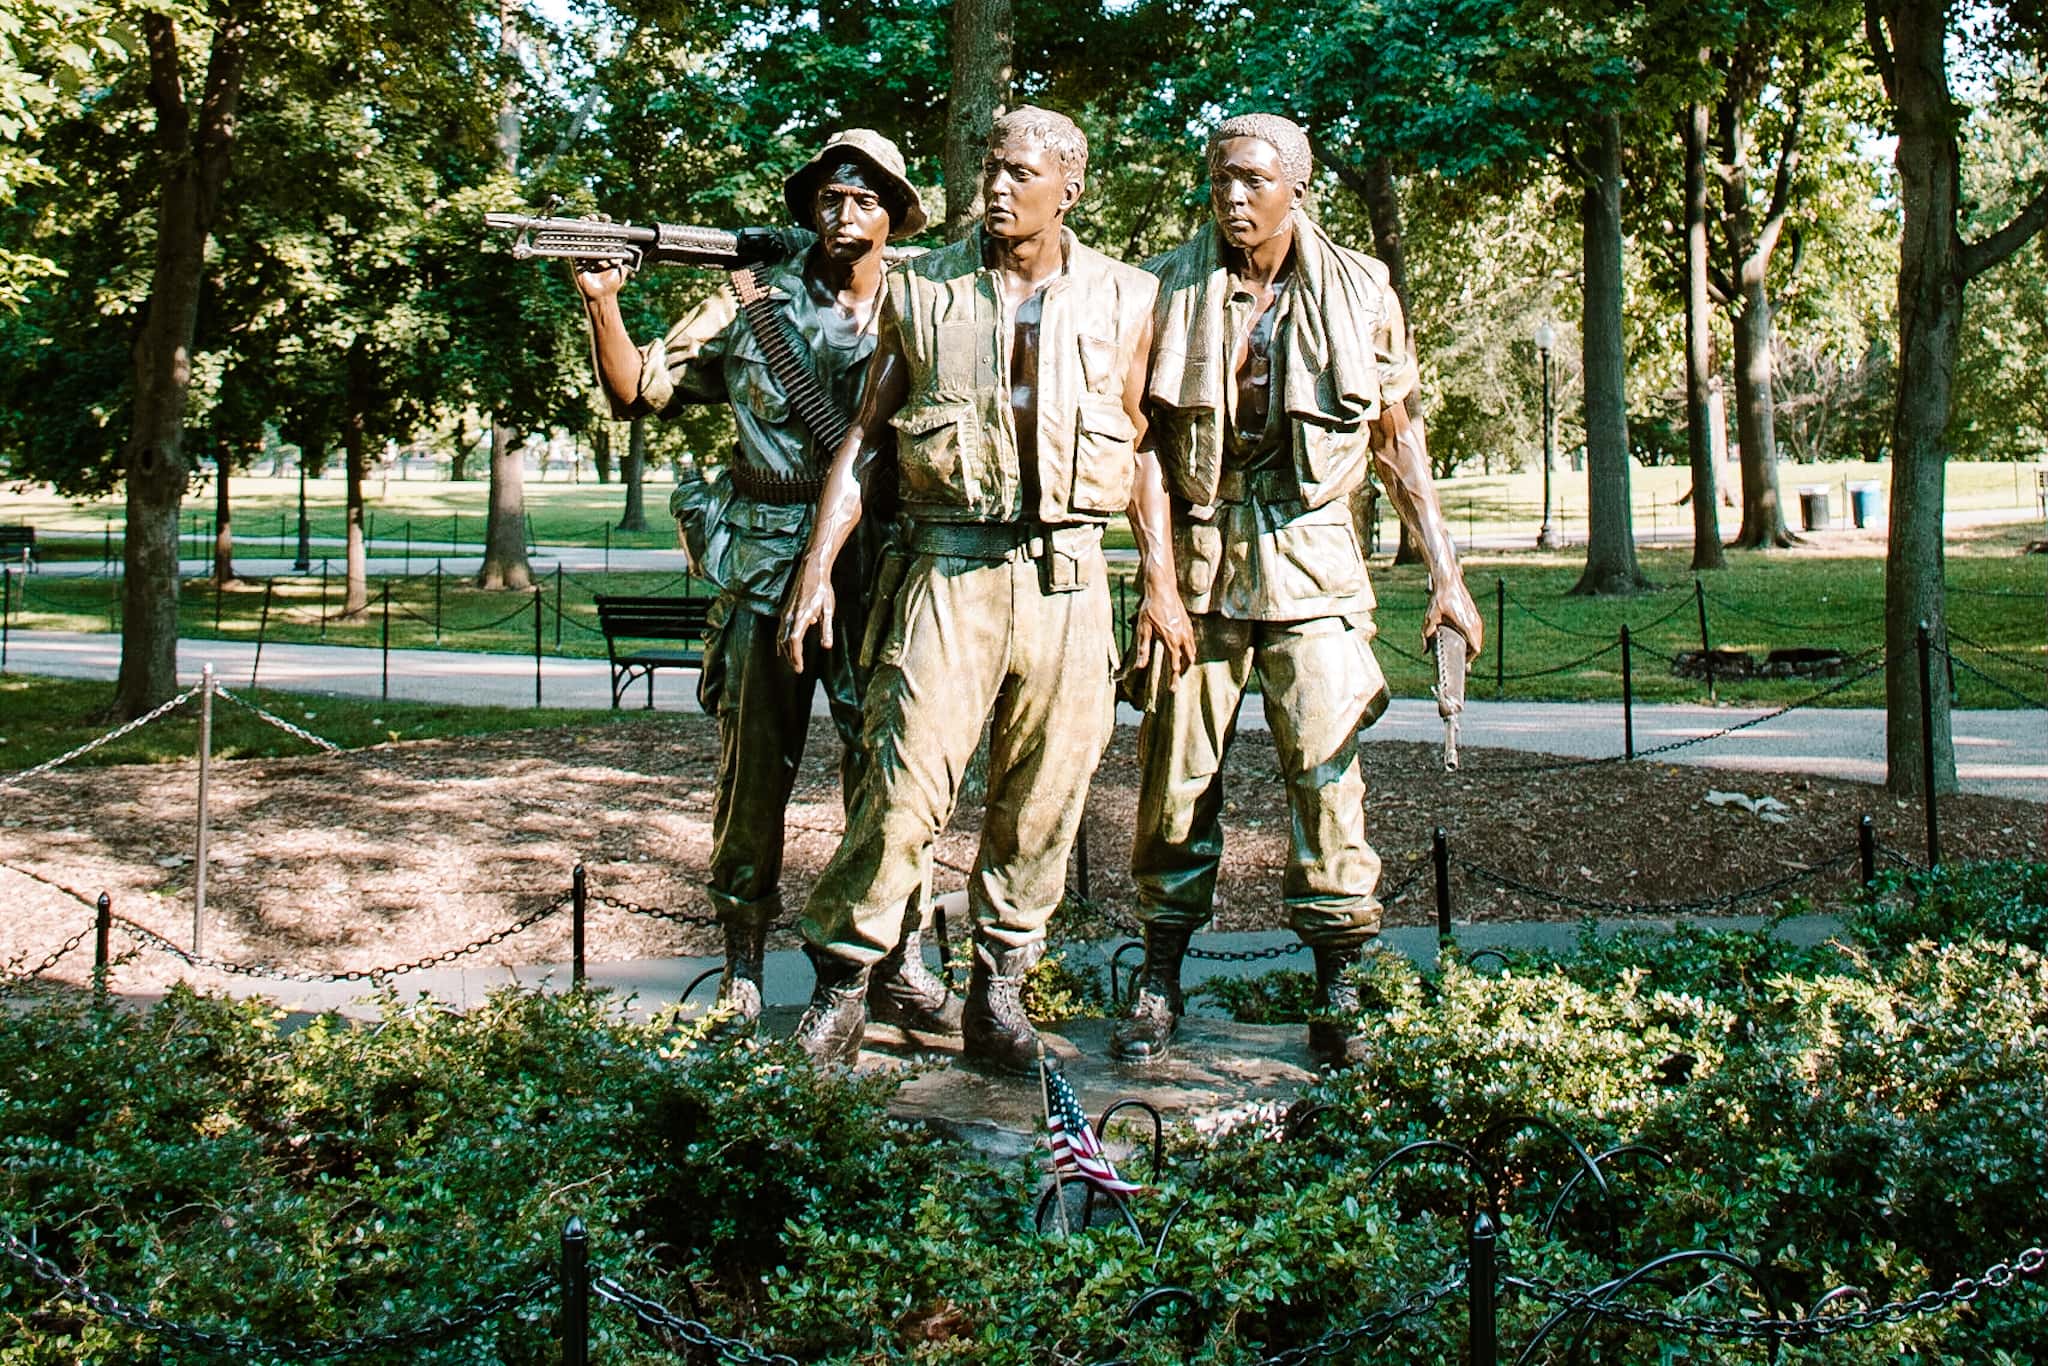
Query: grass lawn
[447, 516]
[45, 717]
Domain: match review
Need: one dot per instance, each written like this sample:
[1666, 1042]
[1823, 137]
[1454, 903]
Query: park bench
[18, 543]
[639, 618]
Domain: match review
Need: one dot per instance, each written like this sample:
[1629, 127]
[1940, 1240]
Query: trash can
[1863, 502]
[1813, 506]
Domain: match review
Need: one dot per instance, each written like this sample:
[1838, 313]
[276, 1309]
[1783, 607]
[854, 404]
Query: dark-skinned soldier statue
[1280, 365]
[1011, 366]
[850, 200]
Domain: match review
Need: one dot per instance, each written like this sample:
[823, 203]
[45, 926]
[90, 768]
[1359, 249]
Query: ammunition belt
[763, 487]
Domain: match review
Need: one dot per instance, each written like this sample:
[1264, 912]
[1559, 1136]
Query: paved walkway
[1999, 753]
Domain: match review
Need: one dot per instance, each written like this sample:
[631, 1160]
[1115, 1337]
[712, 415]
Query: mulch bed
[402, 851]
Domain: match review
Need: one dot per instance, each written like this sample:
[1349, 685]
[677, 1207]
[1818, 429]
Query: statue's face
[1025, 187]
[1250, 192]
[852, 220]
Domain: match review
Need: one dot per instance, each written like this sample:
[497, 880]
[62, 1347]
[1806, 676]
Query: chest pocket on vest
[1105, 455]
[938, 454]
[751, 382]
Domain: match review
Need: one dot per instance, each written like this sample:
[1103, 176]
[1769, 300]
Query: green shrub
[1867, 1114]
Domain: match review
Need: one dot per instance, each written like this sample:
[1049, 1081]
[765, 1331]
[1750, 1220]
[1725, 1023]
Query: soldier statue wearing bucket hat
[848, 201]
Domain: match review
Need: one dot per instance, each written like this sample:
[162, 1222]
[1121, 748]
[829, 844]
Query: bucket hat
[872, 150]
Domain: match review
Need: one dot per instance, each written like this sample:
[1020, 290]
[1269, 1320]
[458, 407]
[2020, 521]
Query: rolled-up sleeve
[686, 366]
[1395, 358]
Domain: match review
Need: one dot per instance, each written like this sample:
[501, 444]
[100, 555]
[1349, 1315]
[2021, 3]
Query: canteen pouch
[699, 506]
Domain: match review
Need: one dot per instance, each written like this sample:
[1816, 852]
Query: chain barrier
[1809, 700]
[2029, 699]
[1803, 627]
[433, 1327]
[149, 938]
[659, 1319]
[1565, 667]
[1373, 1326]
[278, 721]
[2016, 661]
[1598, 1304]
[13, 980]
[672, 917]
[1542, 620]
[1762, 891]
[89, 746]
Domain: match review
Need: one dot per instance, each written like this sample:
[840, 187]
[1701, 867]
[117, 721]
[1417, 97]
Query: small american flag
[1075, 1151]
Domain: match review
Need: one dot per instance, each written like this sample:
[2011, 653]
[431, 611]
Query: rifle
[585, 239]
[1453, 652]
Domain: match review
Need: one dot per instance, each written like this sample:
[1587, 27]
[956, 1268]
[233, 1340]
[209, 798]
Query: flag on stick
[1075, 1151]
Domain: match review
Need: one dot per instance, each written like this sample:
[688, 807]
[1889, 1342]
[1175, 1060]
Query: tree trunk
[1756, 432]
[1699, 350]
[981, 38]
[601, 451]
[1611, 566]
[355, 446]
[223, 529]
[1930, 318]
[191, 164]
[634, 474]
[505, 564]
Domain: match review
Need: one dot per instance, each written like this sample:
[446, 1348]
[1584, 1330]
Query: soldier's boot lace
[1145, 1033]
[905, 993]
[994, 1030]
[836, 1020]
[1336, 1036]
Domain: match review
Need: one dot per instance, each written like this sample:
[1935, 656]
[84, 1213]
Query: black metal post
[1440, 860]
[408, 545]
[1546, 538]
[305, 560]
[607, 547]
[216, 604]
[107, 546]
[102, 927]
[558, 607]
[323, 597]
[386, 684]
[1699, 597]
[575, 1295]
[1866, 849]
[437, 602]
[1628, 699]
[262, 630]
[1481, 1283]
[538, 596]
[1500, 634]
[1926, 647]
[6, 612]
[579, 905]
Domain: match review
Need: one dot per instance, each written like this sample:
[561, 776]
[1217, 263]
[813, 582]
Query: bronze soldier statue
[1011, 366]
[1279, 370]
[850, 199]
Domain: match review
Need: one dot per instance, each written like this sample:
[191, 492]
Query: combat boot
[1145, 1033]
[832, 1027]
[745, 927]
[994, 1030]
[1335, 1037]
[905, 993]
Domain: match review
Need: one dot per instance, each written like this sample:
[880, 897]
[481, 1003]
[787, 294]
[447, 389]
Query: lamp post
[1546, 338]
[305, 560]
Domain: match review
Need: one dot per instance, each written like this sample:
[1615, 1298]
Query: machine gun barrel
[586, 239]
[1453, 654]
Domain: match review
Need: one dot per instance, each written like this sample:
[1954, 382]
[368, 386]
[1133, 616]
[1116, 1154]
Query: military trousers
[1320, 683]
[968, 640]
[764, 716]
